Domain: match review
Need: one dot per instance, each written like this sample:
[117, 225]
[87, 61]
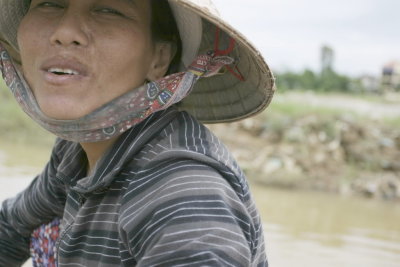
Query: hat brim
[225, 98]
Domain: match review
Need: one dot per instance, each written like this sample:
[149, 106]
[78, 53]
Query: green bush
[327, 81]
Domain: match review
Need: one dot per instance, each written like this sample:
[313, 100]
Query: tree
[327, 58]
[326, 80]
[309, 80]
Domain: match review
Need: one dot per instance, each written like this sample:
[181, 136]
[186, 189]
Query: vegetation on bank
[15, 125]
[298, 142]
[328, 81]
[294, 108]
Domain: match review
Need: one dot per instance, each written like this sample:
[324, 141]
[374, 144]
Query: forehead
[129, 5]
[134, 2]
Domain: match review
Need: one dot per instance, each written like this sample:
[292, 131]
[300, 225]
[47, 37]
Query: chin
[61, 108]
[62, 114]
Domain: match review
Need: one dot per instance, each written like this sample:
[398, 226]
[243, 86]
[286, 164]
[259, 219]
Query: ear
[164, 52]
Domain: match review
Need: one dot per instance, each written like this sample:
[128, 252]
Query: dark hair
[164, 28]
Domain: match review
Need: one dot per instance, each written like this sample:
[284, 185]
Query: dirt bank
[340, 152]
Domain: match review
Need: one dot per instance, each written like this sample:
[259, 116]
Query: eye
[48, 4]
[110, 11]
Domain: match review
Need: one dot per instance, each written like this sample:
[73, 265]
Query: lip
[66, 63]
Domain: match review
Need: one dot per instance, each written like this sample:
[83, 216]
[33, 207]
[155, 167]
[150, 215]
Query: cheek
[25, 34]
[24, 40]
[128, 59]
[30, 41]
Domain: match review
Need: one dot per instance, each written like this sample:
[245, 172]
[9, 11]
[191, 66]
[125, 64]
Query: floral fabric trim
[43, 244]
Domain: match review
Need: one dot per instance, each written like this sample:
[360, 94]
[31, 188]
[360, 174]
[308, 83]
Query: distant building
[391, 76]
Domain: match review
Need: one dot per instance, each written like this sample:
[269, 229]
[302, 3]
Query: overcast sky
[365, 34]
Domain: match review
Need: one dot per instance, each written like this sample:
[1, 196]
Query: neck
[96, 150]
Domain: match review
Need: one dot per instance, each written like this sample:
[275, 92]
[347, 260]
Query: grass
[392, 122]
[295, 110]
[32, 154]
[15, 125]
[283, 114]
[283, 107]
[370, 97]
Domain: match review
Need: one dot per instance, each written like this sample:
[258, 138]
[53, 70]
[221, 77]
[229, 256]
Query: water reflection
[302, 228]
[316, 229]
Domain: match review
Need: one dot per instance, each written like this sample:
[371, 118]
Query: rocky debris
[384, 186]
[342, 155]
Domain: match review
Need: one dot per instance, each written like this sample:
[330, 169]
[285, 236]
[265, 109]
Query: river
[307, 229]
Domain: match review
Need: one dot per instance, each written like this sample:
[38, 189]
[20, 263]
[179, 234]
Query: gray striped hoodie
[168, 193]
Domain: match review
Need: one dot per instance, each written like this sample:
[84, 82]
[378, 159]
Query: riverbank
[347, 144]
[327, 142]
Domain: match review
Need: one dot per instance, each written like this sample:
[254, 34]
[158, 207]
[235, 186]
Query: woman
[136, 179]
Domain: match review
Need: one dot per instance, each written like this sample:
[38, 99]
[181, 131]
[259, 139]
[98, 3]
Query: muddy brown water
[301, 228]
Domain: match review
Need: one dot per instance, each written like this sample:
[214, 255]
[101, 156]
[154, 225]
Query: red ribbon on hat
[225, 52]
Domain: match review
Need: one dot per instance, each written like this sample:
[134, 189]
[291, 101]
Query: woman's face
[79, 54]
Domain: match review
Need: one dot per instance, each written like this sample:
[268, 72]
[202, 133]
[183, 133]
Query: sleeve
[42, 201]
[185, 214]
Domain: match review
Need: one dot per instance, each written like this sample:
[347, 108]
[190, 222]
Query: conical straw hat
[244, 89]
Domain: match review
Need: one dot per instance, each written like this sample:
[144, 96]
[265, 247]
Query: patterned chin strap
[120, 114]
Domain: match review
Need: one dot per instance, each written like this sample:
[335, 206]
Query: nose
[70, 30]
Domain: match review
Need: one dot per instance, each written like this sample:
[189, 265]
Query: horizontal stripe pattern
[167, 194]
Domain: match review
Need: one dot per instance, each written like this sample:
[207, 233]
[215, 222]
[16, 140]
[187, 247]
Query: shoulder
[186, 138]
[179, 200]
[178, 179]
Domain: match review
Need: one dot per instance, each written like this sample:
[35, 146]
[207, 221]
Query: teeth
[63, 71]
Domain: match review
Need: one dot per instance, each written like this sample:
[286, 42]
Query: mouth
[60, 71]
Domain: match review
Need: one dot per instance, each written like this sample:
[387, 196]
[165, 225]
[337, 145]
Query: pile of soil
[338, 154]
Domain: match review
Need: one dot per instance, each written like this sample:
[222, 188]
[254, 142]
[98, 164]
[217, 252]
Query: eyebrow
[131, 1]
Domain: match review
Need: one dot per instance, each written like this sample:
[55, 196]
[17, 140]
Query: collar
[73, 165]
